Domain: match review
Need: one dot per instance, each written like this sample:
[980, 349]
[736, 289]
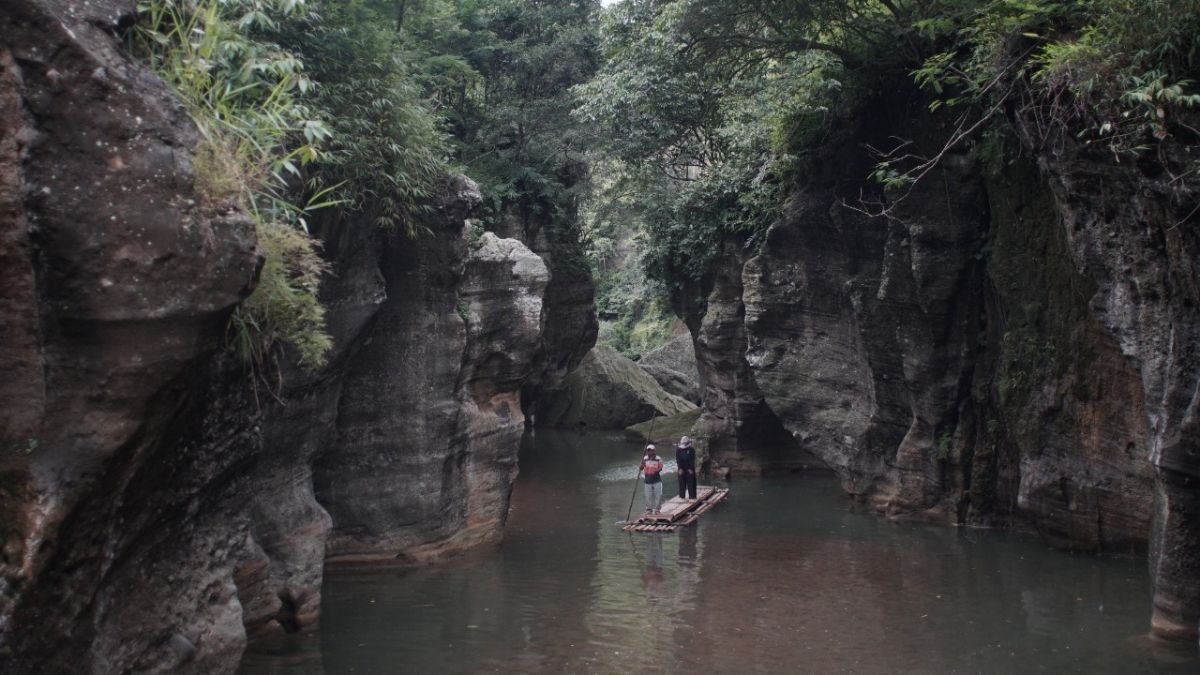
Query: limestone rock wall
[1132, 230]
[571, 325]
[860, 330]
[737, 431]
[944, 359]
[159, 505]
[429, 419]
[1009, 345]
[115, 476]
[1063, 439]
[403, 449]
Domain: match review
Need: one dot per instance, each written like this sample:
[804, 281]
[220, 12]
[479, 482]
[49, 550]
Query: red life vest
[652, 466]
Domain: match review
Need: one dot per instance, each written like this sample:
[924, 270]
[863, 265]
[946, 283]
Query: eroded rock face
[737, 431]
[942, 359]
[403, 449]
[429, 421]
[1132, 230]
[115, 476]
[607, 391]
[570, 319]
[939, 378]
[862, 345]
[860, 330]
[1063, 444]
[673, 365]
[1018, 347]
[157, 503]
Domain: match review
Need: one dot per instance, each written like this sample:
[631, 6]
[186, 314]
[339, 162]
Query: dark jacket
[685, 458]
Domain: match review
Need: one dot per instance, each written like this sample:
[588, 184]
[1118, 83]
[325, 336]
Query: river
[787, 575]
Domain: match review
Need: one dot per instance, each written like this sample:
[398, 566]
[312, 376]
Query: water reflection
[652, 574]
[783, 577]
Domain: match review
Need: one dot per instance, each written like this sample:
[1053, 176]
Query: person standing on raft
[652, 467]
[685, 459]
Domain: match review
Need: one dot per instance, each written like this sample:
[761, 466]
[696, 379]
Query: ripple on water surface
[783, 577]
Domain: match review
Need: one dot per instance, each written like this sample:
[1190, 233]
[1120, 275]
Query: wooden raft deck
[677, 512]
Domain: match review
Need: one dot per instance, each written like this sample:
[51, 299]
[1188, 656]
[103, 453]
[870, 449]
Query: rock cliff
[1131, 229]
[1007, 345]
[159, 505]
[403, 449]
[115, 485]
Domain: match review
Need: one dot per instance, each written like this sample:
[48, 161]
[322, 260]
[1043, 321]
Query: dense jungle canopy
[655, 128]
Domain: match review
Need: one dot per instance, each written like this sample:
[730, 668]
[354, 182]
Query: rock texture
[403, 449]
[679, 355]
[159, 504]
[942, 359]
[1132, 230]
[1013, 345]
[429, 421]
[863, 344]
[1059, 444]
[570, 303]
[737, 431]
[607, 391]
[673, 365]
[115, 481]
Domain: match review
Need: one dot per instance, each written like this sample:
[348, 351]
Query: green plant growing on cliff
[388, 148]
[245, 95]
[284, 308]
[1111, 73]
[943, 447]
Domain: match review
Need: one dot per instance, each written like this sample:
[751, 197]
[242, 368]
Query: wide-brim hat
[685, 442]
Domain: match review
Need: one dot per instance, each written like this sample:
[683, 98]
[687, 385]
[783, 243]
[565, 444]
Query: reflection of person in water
[652, 575]
[687, 546]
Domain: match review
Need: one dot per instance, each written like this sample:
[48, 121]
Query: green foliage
[245, 94]
[702, 142]
[943, 447]
[635, 333]
[388, 150]
[1115, 73]
[284, 308]
[1128, 73]
[505, 84]
[475, 232]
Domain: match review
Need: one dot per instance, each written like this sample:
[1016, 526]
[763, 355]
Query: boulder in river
[674, 382]
[607, 391]
[678, 354]
[673, 365]
[665, 431]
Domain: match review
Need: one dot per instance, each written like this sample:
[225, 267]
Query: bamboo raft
[677, 513]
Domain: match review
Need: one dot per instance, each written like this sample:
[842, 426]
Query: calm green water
[785, 576]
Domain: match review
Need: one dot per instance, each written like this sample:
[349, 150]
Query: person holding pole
[685, 458]
[652, 467]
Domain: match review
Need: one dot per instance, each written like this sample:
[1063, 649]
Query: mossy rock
[665, 431]
[607, 391]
